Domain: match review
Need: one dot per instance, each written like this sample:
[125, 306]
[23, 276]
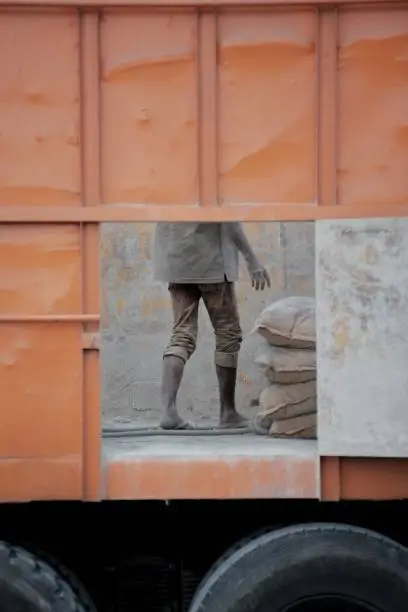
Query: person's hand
[259, 276]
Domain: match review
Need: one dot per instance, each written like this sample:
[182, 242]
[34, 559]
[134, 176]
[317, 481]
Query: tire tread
[286, 535]
[51, 583]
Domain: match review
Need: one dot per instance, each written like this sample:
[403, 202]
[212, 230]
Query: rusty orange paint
[90, 274]
[155, 113]
[40, 108]
[362, 478]
[41, 412]
[39, 270]
[148, 58]
[267, 57]
[183, 3]
[154, 213]
[242, 479]
[373, 66]
[327, 109]
[41, 478]
[191, 473]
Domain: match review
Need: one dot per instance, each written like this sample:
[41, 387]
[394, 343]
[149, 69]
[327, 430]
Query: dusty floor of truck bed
[209, 467]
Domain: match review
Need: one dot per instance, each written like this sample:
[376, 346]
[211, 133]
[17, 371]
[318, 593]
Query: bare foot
[170, 421]
[233, 420]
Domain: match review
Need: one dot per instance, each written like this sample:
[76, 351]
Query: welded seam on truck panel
[181, 3]
[91, 197]
[49, 318]
[327, 119]
[207, 107]
[151, 213]
[328, 477]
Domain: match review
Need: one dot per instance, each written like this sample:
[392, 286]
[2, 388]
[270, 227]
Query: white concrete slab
[362, 336]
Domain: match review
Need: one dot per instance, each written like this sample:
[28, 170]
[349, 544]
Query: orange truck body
[145, 111]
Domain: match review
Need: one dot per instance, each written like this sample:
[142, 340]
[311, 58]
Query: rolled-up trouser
[221, 304]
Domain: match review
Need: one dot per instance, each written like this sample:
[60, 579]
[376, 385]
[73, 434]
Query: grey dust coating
[362, 337]
[136, 321]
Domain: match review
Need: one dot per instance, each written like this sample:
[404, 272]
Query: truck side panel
[287, 113]
[41, 358]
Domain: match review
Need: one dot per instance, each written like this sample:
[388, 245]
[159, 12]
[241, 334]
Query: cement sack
[301, 427]
[289, 322]
[287, 365]
[279, 402]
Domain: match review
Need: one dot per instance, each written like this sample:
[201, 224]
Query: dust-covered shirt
[194, 253]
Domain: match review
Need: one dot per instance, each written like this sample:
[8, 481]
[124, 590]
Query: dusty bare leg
[173, 368]
[229, 417]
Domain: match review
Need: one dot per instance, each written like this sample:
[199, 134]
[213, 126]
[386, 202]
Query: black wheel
[308, 568]
[69, 577]
[29, 584]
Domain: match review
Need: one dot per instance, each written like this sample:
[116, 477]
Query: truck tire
[76, 585]
[28, 584]
[319, 567]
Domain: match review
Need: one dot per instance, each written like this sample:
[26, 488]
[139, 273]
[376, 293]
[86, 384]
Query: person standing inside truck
[199, 261]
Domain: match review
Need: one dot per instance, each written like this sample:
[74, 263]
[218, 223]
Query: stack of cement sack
[288, 360]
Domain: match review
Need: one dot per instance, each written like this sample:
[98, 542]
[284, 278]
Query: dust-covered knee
[181, 345]
[227, 346]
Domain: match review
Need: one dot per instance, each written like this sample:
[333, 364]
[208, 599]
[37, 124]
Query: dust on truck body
[145, 111]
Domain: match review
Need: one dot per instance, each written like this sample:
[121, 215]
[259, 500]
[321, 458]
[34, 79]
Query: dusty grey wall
[362, 336]
[136, 320]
